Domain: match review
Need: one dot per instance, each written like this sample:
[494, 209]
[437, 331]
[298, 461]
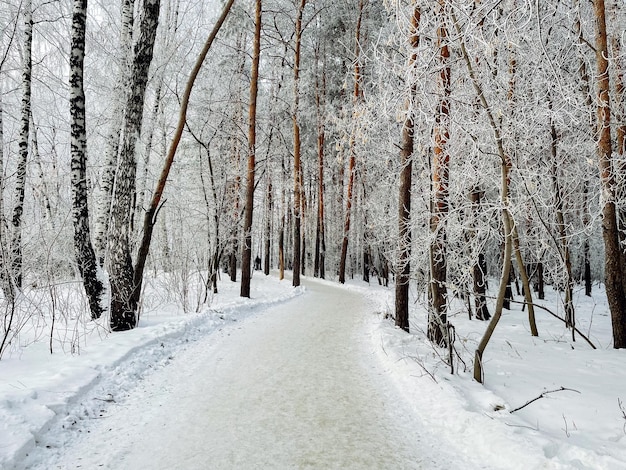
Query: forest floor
[314, 377]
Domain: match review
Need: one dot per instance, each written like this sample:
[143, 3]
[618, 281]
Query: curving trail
[295, 387]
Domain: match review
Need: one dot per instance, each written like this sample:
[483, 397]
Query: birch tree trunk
[112, 145]
[85, 255]
[404, 199]
[124, 291]
[6, 279]
[20, 185]
[246, 258]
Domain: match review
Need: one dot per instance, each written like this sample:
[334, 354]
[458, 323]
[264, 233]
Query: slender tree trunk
[440, 173]
[20, 185]
[42, 186]
[85, 255]
[403, 272]
[352, 144]
[246, 258]
[268, 230]
[480, 266]
[320, 99]
[212, 217]
[586, 90]
[152, 212]
[614, 277]
[505, 163]
[570, 320]
[297, 165]
[6, 279]
[124, 291]
[506, 266]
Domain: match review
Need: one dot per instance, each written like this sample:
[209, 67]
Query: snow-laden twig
[621, 407]
[543, 395]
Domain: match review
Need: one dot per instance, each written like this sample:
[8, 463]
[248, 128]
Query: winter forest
[466, 156]
[434, 144]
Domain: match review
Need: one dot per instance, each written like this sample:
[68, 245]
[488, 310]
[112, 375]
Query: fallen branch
[582, 335]
[543, 395]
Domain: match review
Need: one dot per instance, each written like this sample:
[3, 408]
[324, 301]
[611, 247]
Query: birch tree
[85, 255]
[124, 292]
[20, 186]
[112, 143]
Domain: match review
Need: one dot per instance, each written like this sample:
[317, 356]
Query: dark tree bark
[437, 318]
[479, 269]
[320, 237]
[85, 255]
[268, 231]
[297, 164]
[246, 258]
[124, 291]
[570, 317]
[403, 275]
[352, 160]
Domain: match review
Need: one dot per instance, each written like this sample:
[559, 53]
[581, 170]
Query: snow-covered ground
[316, 378]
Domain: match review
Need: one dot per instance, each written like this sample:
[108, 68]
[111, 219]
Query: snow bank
[40, 390]
[581, 427]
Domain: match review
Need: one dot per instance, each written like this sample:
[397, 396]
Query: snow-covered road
[297, 386]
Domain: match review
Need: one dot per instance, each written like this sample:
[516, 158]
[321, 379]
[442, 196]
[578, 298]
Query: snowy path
[294, 387]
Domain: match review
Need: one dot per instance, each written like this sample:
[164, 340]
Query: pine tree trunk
[20, 185]
[125, 292]
[586, 89]
[352, 143]
[614, 277]
[297, 164]
[403, 272]
[320, 98]
[85, 255]
[246, 257]
[441, 168]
